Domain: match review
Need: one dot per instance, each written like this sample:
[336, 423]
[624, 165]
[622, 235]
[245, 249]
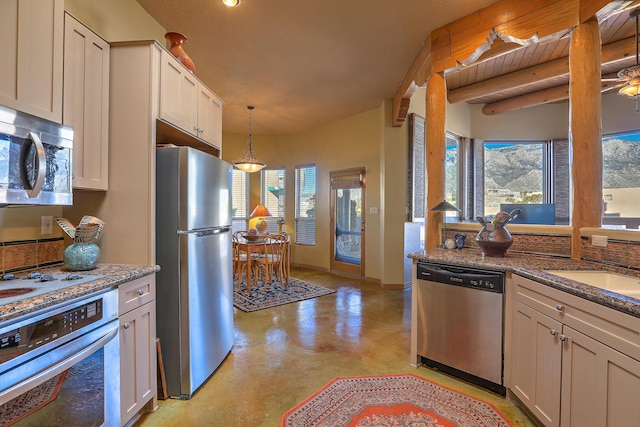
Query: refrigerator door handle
[207, 232]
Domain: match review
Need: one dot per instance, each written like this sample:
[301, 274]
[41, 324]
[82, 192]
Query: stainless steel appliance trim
[78, 349]
[461, 327]
[109, 313]
[25, 126]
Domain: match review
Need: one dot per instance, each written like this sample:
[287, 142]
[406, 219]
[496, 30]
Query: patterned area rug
[259, 298]
[30, 401]
[391, 400]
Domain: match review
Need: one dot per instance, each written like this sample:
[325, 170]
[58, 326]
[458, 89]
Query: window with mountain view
[514, 172]
[621, 180]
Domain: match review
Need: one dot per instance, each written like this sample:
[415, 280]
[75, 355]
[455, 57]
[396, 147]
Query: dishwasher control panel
[487, 280]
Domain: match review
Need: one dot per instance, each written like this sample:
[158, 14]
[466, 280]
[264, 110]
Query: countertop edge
[114, 276]
[532, 266]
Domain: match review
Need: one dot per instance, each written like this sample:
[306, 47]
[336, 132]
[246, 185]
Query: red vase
[174, 44]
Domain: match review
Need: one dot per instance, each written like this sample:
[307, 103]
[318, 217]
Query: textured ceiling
[303, 63]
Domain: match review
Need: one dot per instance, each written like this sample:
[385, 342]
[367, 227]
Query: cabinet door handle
[560, 307]
[563, 338]
[140, 292]
[553, 332]
[126, 325]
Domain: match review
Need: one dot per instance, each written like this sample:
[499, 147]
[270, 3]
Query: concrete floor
[284, 354]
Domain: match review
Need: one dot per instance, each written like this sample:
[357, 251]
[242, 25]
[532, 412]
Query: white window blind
[273, 196]
[305, 221]
[239, 200]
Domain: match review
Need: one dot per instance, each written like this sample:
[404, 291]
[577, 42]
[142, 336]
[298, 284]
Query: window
[305, 226]
[273, 196]
[239, 200]
[515, 172]
[621, 180]
[451, 171]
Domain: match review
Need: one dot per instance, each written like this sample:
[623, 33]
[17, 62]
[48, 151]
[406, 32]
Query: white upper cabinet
[209, 116]
[31, 51]
[188, 104]
[86, 103]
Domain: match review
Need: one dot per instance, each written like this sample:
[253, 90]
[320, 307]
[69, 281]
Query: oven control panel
[18, 341]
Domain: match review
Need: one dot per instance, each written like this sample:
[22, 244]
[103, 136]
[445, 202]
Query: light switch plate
[46, 224]
[599, 241]
[373, 210]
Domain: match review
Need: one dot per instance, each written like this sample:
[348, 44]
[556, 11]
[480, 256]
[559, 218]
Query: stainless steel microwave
[35, 160]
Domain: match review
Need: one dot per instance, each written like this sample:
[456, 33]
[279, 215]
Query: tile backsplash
[619, 253]
[22, 255]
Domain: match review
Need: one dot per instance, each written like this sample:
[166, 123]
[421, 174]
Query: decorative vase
[495, 242]
[81, 256]
[174, 44]
[494, 239]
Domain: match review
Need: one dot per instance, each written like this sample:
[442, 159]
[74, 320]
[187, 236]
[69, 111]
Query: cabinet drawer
[613, 328]
[136, 293]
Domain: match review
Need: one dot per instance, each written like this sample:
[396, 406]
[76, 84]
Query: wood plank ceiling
[506, 79]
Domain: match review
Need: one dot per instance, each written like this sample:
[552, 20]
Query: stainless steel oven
[35, 160]
[60, 365]
[460, 322]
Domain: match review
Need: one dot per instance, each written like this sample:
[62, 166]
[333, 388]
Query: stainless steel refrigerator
[193, 249]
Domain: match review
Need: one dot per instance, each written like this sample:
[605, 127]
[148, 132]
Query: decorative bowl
[254, 237]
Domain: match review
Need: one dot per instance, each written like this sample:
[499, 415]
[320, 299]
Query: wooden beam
[516, 18]
[402, 97]
[585, 130]
[554, 94]
[537, 73]
[458, 40]
[620, 52]
[435, 137]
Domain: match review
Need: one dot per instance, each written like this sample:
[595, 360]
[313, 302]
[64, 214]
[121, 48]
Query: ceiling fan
[626, 80]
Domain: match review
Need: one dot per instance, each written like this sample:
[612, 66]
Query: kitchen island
[571, 351]
[534, 267]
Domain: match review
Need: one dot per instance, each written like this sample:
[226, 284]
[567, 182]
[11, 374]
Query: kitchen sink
[618, 283]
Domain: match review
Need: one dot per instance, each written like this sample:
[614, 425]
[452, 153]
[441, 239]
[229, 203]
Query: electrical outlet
[599, 241]
[46, 224]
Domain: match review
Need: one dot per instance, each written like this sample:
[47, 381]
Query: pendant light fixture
[632, 74]
[249, 163]
[231, 3]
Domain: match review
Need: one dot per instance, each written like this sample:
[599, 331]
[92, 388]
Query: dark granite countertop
[114, 275]
[532, 266]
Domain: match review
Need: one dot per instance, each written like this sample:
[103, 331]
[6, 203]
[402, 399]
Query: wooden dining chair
[240, 260]
[271, 260]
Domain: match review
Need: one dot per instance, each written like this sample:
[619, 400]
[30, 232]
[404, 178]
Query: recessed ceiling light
[231, 3]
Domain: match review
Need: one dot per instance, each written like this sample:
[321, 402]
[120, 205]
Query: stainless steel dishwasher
[460, 322]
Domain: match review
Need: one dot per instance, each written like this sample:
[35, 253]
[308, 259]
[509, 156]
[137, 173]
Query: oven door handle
[53, 370]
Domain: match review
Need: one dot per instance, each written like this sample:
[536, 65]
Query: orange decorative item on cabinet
[175, 42]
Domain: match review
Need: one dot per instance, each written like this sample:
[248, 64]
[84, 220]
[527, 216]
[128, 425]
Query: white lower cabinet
[564, 376]
[138, 384]
[536, 361]
[599, 384]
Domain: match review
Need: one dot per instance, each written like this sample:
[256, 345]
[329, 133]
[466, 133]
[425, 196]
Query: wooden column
[585, 129]
[436, 112]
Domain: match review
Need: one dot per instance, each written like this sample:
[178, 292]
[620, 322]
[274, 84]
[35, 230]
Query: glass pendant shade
[230, 3]
[249, 163]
